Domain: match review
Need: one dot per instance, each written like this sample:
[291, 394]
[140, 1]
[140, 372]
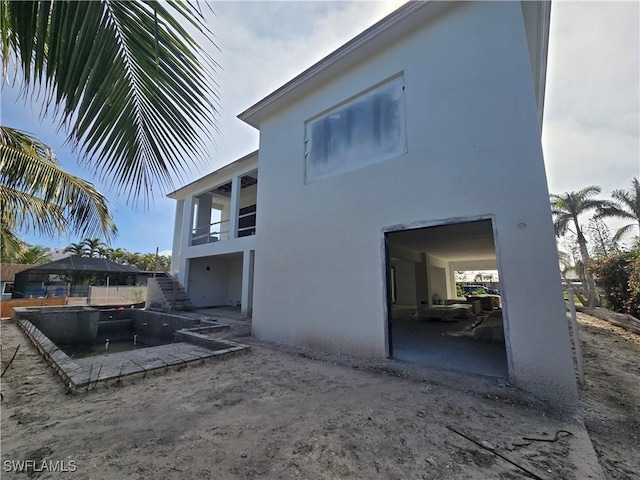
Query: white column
[235, 207]
[177, 237]
[248, 258]
[204, 213]
[185, 241]
[451, 282]
[187, 223]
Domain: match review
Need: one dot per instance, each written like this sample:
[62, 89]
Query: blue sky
[591, 132]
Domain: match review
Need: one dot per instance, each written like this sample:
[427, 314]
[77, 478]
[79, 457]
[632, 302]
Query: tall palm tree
[36, 193]
[93, 247]
[566, 209]
[626, 206]
[125, 81]
[76, 250]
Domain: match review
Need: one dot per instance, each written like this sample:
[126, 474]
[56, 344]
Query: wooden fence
[9, 305]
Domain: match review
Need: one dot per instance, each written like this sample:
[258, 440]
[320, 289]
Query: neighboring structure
[409, 153]
[71, 277]
[8, 272]
[58, 254]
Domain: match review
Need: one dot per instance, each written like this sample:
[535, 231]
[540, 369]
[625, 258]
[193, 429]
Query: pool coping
[85, 374]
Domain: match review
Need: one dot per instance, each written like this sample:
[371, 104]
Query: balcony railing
[219, 231]
[210, 233]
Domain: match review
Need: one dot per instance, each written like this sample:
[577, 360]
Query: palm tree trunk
[594, 299]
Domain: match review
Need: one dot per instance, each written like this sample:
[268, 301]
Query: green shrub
[619, 276]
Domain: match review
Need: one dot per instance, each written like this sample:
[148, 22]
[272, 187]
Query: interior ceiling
[455, 242]
[245, 181]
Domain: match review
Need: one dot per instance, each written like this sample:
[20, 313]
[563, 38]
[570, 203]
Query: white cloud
[591, 133]
[592, 112]
[265, 44]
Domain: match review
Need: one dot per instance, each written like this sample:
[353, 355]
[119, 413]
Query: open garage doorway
[431, 320]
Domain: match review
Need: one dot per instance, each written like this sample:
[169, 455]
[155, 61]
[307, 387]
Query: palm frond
[567, 207]
[629, 200]
[36, 192]
[622, 231]
[127, 82]
[23, 211]
[614, 211]
[626, 206]
[10, 244]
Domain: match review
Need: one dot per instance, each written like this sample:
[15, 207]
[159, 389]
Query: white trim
[400, 22]
[224, 174]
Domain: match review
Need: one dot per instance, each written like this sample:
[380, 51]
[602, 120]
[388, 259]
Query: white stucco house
[409, 153]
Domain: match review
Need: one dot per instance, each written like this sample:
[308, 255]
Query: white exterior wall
[473, 152]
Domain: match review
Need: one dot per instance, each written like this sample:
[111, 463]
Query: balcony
[220, 230]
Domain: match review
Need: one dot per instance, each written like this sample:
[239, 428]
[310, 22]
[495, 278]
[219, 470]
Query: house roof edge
[175, 195]
[252, 115]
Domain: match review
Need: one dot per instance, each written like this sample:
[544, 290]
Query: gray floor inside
[428, 342]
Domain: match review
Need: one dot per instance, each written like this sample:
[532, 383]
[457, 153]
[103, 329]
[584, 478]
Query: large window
[367, 129]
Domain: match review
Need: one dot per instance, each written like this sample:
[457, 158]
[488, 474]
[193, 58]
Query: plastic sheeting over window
[368, 129]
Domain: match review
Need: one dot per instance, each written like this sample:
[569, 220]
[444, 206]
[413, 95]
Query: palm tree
[35, 255]
[25, 253]
[105, 252]
[35, 192]
[128, 85]
[76, 250]
[118, 255]
[566, 209]
[626, 206]
[93, 247]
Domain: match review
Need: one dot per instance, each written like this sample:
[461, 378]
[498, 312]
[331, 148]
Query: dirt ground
[292, 413]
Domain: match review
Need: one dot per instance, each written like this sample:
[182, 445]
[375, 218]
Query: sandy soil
[291, 413]
[611, 395]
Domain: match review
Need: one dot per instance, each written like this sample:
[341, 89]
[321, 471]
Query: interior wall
[437, 274]
[248, 196]
[207, 285]
[438, 282]
[215, 281]
[422, 283]
[234, 281]
[405, 281]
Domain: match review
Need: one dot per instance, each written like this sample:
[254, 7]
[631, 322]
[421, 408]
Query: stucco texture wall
[473, 152]
[215, 281]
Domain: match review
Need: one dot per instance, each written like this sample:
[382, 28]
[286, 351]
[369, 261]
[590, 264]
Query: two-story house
[410, 152]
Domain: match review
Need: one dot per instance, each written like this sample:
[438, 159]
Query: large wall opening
[430, 320]
[216, 280]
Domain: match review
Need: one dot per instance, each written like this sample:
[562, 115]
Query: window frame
[341, 154]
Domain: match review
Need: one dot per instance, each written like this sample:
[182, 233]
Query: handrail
[208, 226]
[217, 235]
[206, 235]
